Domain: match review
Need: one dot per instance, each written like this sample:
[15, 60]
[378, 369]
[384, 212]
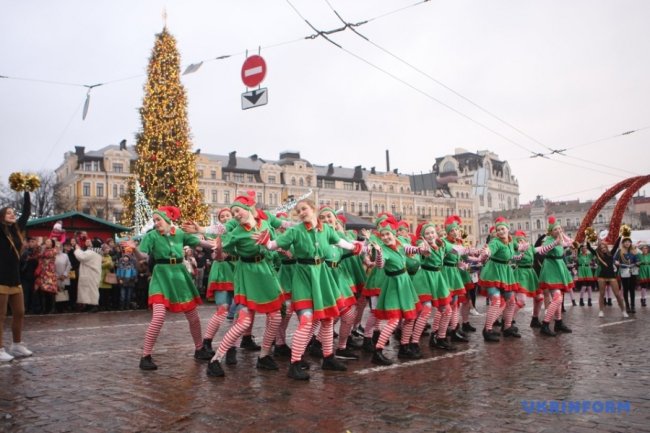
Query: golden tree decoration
[166, 165]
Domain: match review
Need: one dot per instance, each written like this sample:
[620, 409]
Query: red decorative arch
[600, 203]
[619, 210]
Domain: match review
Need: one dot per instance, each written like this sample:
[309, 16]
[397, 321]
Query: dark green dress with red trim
[256, 282]
[353, 264]
[429, 282]
[313, 286]
[344, 281]
[375, 279]
[497, 271]
[171, 284]
[525, 274]
[398, 298]
[585, 273]
[554, 274]
[644, 269]
[451, 271]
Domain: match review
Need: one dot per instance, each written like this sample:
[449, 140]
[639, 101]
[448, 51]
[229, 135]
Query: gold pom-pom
[32, 182]
[591, 235]
[17, 181]
[625, 231]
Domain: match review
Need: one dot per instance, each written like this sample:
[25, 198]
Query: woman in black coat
[11, 292]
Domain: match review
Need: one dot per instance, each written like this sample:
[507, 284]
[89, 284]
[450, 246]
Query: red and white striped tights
[216, 321]
[441, 320]
[281, 338]
[509, 312]
[554, 308]
[538, 301]
[421, 322]
[347, 321]
[157, 321]
[242, 324]
[361, 305]
[301, 336]
[494, 310]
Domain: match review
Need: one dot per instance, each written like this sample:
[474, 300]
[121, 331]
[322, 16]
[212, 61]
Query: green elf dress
[171, 284]
[554, 274]
[256, 283]
[313, 286]
[398, 298]
[644, 269]
[526, 275]
[585, 272]
[353, 264]
[429, 282]
[497, 271]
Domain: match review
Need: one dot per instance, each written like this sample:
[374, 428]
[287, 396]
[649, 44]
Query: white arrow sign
[255, 98]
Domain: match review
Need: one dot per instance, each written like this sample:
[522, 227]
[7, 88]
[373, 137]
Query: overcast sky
[563, 73]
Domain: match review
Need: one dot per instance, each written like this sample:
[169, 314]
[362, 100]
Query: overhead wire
[483, 109]
[411, 86]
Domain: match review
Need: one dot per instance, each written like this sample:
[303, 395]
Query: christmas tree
[165, 167]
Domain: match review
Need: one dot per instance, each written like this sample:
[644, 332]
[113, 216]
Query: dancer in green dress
[171, 287]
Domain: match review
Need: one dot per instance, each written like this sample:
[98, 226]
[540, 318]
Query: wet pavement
[84, 377]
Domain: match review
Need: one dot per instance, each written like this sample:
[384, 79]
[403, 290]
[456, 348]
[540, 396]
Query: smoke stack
[387, 161]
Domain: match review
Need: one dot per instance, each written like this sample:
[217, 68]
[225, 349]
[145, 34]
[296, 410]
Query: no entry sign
[253, 71]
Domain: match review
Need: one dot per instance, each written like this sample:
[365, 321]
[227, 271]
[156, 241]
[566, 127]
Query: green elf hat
[386, 226]
[419, 232]
[326, 208]
[552, 223]
[452, 222]
[501, 221]
[245, 202]
[168, 213]
[520, 235]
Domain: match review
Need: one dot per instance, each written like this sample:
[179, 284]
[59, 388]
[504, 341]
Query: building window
[99, 188]
[393, 209]
[226, 176]
[114, 190]
[118, 167]
[319, 182]
[202, 194]
[100, 213]
[539, 225]
[90, 166]
[251, 178]
[527, 225]
[121, 190]
[376, 209]
[481, 200]
[351, 206]
[366, 207]
[293, 181]
[347, 186]
[200, 172]
[489, 199]
[238, 177]
[329, 184]
[213, 174]
[260, 198]
[86, 189]
[214, 196]
[301, 182]
[226, 197]
[345, 206]
[271, 179]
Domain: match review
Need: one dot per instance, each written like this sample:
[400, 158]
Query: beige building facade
[94, 181]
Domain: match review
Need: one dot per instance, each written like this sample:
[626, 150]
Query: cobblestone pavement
[84, 377]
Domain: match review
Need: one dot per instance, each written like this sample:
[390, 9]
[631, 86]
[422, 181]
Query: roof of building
[71, 214]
